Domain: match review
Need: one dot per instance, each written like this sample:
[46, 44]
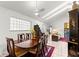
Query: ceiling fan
[40, 10]
[37, 10]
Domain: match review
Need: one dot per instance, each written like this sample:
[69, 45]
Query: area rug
[63, 39]
[50, 51]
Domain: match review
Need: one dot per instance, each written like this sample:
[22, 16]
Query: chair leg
[40, 55]
[43, 52]
[46, 48]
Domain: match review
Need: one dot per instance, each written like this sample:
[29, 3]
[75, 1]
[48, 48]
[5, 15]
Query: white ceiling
[58, 17]
[28, 7]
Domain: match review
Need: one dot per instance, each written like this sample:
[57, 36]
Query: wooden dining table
[27, 44]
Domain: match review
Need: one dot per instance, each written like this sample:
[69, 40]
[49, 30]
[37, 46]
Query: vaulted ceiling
[48, 9]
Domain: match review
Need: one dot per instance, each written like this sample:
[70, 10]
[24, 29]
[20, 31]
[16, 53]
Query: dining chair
[30, 35]
[10, 47]
[43, 45]
[38, 50]
[27, 36]
[13, 50]
[21, 37]
[45, 42]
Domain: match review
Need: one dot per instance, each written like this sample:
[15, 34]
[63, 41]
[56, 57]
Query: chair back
[46, 39]
[43, 40]
[21, 37]
[10, 47]
[39, 50]
[28, 36]
[44, 44]
[40, 47]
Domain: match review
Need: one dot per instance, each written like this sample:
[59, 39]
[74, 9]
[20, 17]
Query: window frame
[30, 24]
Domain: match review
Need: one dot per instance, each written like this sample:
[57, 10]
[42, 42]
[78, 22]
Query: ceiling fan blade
[41, 10]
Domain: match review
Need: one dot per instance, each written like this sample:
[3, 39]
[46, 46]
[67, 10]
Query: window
[18, 24]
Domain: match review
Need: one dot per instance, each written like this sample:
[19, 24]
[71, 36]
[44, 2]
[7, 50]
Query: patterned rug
[50, 51]
[64, 39]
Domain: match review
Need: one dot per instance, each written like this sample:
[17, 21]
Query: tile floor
[61, 48]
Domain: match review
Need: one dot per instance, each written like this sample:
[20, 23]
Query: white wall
[58, 23]
[5, 15]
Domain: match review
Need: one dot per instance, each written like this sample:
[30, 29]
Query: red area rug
[50, 51]
[64, 39]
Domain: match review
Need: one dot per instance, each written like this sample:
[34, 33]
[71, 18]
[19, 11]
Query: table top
[27, 44]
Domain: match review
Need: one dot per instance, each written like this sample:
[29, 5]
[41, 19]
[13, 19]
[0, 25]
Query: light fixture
[55, 31]
[36, 13]
[36, 9]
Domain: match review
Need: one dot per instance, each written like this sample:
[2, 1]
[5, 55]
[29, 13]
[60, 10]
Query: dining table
[27, 44]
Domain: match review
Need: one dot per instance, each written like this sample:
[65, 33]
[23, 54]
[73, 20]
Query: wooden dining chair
[46, 39]
[28, 36]
[13, 50]
[38, 50]
[45, 42]
[10, 47]
[44, 46]
[21, 37]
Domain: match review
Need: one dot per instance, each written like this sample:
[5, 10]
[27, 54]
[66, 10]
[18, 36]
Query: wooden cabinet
[73, 44]
[54, 38]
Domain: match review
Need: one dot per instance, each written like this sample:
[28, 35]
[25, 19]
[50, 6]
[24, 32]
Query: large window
[18, 24]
